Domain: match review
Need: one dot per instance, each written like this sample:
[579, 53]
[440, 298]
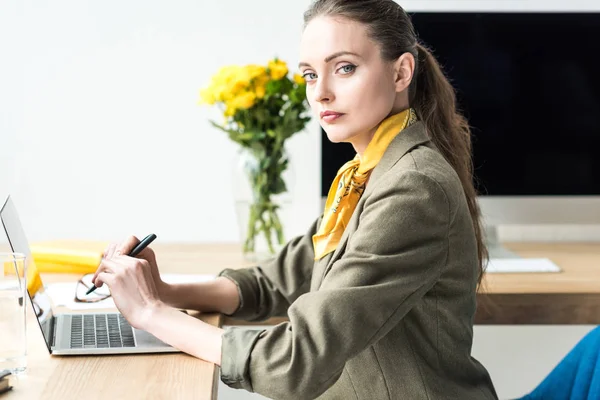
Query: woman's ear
[404, 68]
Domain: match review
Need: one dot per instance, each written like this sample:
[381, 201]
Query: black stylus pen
[134, 252]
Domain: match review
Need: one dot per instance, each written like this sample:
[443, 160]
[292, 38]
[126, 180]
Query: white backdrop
[100, 132]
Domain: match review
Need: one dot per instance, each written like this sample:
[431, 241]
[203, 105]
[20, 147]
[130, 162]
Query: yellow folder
[58, 258]
[65, 260]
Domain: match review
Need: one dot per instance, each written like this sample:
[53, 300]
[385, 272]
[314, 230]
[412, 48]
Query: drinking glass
[13, 303]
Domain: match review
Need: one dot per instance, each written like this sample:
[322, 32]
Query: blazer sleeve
[268, 290]
[392, 259]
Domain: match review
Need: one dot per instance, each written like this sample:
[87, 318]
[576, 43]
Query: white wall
[11, 92]
[101, 132]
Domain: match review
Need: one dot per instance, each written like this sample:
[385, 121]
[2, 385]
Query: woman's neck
[361, 142]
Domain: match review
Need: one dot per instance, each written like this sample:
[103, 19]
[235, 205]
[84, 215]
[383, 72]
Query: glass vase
[262, 189]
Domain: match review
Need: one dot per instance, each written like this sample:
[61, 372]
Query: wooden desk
[569, 297]
[159, 376]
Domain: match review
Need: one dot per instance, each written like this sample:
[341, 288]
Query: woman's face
[350, 88]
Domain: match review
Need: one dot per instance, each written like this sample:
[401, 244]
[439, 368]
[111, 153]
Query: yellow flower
[229, 112]
[260, 91]
[244, 100]
[255, 71]
[299, 79]
[257, 79]
[207, 96]
[260, 85]
[238, 86]
[278, 69]
[227, 82]
[242, 87]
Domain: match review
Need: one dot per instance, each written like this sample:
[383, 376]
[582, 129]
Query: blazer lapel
[407, 140]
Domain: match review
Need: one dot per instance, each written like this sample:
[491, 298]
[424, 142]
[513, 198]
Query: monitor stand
[495, 248]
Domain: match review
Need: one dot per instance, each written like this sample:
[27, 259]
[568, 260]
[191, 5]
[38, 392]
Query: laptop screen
[18, 242]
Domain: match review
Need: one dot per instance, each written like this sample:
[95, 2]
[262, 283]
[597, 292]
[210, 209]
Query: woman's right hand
[219, 295]
[124, 248]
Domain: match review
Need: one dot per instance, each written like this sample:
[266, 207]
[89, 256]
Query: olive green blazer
[388, 315]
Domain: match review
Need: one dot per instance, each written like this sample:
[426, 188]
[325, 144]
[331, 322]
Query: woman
[381, 291]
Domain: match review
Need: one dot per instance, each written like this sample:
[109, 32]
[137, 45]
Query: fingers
[147, 254]
[110, 250]
[97, 272]
[105, 277]
[124, 247]
[106, 266]
[106, 255]
[114, 250]
[117, 248]
[120, 265]
[127, 245]
[125, 262]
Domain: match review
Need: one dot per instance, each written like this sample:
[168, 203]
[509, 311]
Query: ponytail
[434, 100]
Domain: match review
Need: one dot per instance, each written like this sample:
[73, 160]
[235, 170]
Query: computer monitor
[529, 85]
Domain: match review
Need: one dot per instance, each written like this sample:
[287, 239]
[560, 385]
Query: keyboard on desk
[100, 331]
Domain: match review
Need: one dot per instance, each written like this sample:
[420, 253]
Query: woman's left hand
[131, 286]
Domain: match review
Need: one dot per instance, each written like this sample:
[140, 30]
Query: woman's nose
[323, 92]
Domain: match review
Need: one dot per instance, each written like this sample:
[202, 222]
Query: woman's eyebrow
[331, 57]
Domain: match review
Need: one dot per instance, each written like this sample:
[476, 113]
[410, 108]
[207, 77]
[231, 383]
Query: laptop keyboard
[100, 331]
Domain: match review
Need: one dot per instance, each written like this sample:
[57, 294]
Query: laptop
[81, 333]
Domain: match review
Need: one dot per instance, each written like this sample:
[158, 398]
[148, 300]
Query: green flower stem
[267, 231]
[264, 171]
[277, 225]
[249, 242]
[263, 219]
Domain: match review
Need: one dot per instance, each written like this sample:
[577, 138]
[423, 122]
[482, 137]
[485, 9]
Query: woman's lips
[330, 116]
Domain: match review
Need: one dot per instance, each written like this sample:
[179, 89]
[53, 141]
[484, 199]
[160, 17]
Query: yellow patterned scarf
[349, 183]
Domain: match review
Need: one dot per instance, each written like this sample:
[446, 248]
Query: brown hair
[430, 93]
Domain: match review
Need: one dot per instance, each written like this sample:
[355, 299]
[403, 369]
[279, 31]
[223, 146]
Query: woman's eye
[346, 69]
[309, 76]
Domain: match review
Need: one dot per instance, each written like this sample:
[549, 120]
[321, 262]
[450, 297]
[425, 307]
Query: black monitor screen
[529, 84]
